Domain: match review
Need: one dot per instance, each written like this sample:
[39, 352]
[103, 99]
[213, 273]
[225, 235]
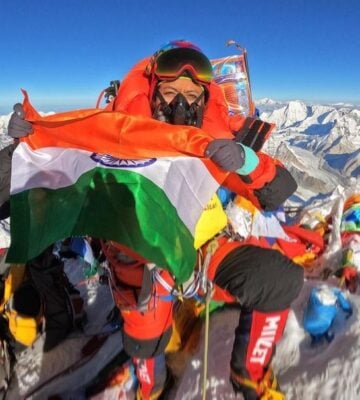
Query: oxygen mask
[179, 111]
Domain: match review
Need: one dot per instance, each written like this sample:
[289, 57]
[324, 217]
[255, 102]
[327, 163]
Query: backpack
[40, 301]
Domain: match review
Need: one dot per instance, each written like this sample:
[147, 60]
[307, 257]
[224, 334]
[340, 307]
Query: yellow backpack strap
[13, 279]
[24, 329]
[24, 312]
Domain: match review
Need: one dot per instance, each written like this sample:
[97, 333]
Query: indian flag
[151, 205]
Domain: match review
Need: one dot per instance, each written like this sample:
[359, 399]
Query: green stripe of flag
[106, 203]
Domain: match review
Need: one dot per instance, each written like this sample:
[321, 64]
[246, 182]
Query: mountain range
[320, 144]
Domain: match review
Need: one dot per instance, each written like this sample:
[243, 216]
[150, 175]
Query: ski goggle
[172, 63]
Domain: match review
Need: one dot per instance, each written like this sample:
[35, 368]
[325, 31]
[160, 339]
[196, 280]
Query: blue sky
[65, 51]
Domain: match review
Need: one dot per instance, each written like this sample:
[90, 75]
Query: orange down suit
[244, 272]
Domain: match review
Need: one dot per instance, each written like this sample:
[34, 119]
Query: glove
[274, 193]
[226, 153]
[18, 127]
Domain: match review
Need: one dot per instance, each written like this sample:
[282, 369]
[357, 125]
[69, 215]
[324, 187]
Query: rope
[207, 287]
[200, 281]
[206, 339]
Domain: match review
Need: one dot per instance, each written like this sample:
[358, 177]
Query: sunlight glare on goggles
[171, 63]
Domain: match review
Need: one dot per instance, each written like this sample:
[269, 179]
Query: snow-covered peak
[296, 111]
[341, 104]
[291, 113]
[266, 101]
[268, 105]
